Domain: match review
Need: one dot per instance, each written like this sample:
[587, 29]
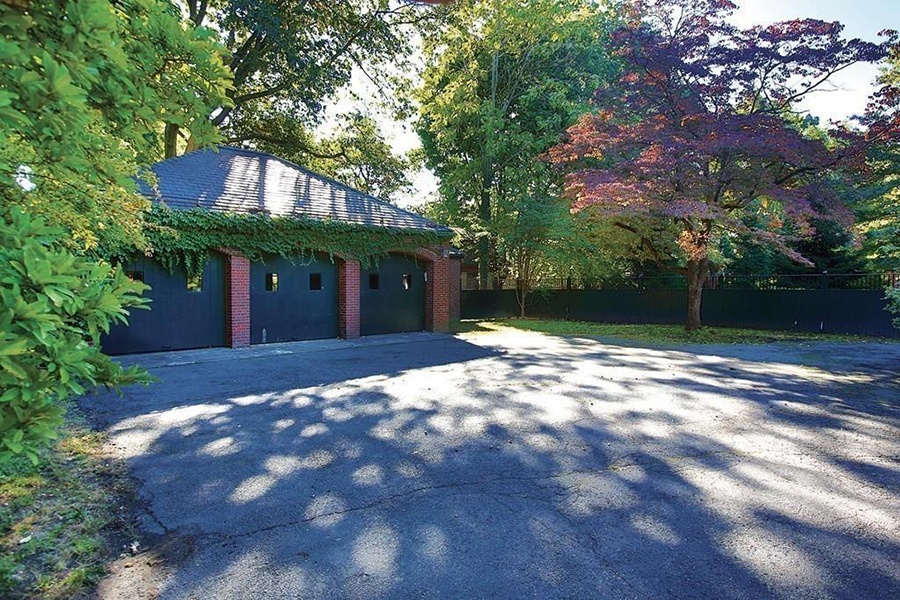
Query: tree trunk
[484, 251]
[170, 140]
[191, 144]
[487, 181]
[522, 295]
[697, 272]
[484, 214]
[523, 281]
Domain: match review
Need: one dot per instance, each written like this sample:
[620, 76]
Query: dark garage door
[293, 300]
[184, 312]
[392, 296]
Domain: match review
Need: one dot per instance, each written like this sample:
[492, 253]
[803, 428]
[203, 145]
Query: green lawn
[671, 334]
[56, 518]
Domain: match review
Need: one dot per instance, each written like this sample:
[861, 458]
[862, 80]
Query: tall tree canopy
[84, 88]
[290, 56]
[697, 134]
[504, 78]
[356, 153]
[880, 216]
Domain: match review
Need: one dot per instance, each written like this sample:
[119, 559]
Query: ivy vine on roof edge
[186, 237]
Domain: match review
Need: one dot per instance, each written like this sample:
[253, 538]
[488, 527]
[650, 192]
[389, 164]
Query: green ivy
[186, 237]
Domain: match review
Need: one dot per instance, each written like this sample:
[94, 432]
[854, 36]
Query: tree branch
[648, 243]
[293, 144]
[261, 93]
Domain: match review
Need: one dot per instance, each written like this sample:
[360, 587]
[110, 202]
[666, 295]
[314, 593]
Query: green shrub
[53, 307]
[893, 297]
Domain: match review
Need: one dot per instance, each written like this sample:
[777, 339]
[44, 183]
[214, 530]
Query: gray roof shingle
[246, 181]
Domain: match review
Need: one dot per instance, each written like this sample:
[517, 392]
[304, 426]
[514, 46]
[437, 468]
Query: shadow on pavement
[521, 466]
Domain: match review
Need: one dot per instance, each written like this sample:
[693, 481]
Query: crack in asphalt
[385, 500]
[615, 465]
[146, 501]
[621, 463]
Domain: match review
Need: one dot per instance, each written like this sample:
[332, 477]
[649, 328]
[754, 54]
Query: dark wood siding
[179, 318]
[397, 304]
[293, 300]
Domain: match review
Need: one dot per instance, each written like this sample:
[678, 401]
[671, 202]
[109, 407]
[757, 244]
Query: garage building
[237, 301]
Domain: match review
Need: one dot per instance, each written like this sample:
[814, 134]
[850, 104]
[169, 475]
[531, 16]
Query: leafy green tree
[880, 218]
[530, 226]
[53, 308]
[290, 56]
[356, 154]
[503, 80]
[85, 87]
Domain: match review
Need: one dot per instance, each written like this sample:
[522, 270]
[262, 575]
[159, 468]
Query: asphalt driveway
[512, 465]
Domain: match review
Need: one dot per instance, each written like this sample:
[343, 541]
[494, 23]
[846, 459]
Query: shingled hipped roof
[245, 181]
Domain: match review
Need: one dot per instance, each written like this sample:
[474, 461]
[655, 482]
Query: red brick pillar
[438, 309]
[454, 289]
[429, 296]
[348, 299]
[237, 301]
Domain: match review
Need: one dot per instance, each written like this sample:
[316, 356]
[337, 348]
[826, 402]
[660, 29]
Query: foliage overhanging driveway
[513, 464]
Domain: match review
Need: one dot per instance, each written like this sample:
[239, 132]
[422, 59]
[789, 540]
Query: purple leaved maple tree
[882, 116]
[700, 131]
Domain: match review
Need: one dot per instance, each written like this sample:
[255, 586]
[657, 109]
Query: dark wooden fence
[828, 303]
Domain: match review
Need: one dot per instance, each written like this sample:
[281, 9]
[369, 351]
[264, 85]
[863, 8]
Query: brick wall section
[348, 299]
[237, 301]
[439, 310]
[442, 304]
[441, 284]
[454, 289]
[429, 296]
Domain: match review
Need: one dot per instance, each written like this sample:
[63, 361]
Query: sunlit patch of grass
[667, 334]
[474, 326]
[55, 517]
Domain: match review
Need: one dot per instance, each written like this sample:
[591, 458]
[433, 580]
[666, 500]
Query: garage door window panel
[293, 298]
[187, 311]
[397, 304]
